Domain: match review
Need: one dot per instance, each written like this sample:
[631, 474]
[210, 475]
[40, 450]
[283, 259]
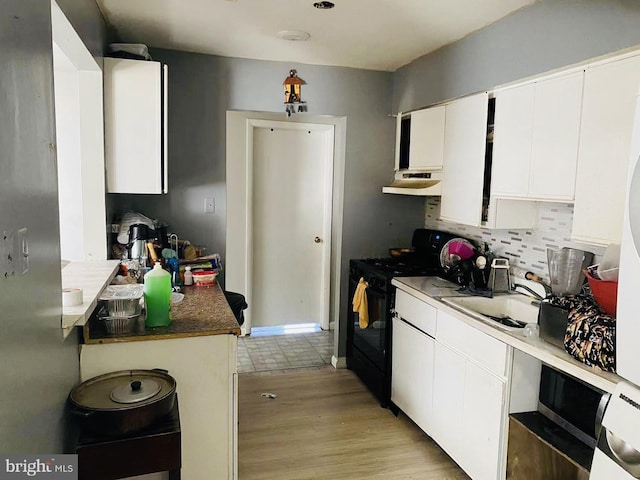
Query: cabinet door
[426, 147]
[464, 150]
[135, 128]
[513, 133]
[605, 137]
[412, 373]
[556, 130]
[483, 430]
[448, 400]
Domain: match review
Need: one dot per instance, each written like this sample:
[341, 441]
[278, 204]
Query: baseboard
[338, 362]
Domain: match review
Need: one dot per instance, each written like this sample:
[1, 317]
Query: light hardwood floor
[325, 425]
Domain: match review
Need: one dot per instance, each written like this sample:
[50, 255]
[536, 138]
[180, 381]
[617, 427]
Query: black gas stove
[369, 349]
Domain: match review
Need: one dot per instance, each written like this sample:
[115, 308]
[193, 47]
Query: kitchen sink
[509, 312]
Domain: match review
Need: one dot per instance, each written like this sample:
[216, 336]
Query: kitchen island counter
[199, 349]
[203, 312]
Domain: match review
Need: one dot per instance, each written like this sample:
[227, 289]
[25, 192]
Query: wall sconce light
[292, 100]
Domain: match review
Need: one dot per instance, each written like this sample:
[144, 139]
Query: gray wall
[38, 367]
[548, 35]
[203, 87]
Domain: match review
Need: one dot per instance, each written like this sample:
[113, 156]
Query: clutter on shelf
[141, 242]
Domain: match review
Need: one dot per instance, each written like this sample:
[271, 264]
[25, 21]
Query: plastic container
[605, 293]
[188, 276]
[204, 278]
[157, 297]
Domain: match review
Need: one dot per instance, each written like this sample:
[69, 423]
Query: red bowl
[605, 293]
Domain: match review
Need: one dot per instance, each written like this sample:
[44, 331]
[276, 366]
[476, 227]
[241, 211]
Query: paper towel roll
[71, 297]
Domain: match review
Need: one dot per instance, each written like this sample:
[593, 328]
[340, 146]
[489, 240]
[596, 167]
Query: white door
[291, 197]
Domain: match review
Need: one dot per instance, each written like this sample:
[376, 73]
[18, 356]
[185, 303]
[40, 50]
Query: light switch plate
[209, 205]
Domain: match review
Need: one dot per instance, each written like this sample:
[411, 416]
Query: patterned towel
[591, 333]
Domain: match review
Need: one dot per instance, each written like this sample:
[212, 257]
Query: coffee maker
[139, 235]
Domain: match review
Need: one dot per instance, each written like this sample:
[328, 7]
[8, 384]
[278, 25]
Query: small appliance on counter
[565, 269]
[139, 235]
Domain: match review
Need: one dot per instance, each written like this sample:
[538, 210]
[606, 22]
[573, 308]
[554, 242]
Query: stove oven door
[372, 340]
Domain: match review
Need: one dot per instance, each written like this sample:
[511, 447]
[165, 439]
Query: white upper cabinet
[426, 148]
[420, 140]
[135, 106]
[464, 159]
[607, 118]
[536, 134]
[512, 134]
[556, 132]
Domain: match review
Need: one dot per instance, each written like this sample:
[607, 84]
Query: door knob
[317, 239]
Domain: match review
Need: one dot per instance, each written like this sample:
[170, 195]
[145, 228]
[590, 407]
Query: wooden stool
[154, 449]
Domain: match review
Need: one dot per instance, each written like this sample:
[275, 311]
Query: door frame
[239, 186]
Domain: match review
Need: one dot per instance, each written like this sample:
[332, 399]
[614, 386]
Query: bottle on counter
[157, 297]
[188, 276]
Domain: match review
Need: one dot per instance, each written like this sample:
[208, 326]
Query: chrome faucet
[535, 294]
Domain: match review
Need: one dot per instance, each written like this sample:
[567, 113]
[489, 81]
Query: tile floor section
[284, 352]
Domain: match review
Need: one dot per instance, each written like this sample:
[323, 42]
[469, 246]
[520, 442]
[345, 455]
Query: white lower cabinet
[469, 411]
[448, 400]
[454, 387]
[484, 415]
[205, 370]
[412, 378]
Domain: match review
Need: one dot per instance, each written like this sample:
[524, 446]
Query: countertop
[204, 311]
[92, 277]
[430, 290]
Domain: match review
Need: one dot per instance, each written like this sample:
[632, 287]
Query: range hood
[416, 183]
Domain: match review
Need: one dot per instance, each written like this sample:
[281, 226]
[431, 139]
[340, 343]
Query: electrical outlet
[209, 205]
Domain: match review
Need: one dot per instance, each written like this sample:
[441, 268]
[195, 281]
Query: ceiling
[369, 34]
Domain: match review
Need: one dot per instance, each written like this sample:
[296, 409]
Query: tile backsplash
[525, 249]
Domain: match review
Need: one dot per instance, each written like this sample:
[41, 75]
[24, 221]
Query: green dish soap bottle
[157, 296]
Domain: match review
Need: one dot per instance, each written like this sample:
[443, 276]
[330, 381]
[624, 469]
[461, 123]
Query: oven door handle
[627, 456]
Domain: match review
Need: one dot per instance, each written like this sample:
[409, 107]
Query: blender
[565, 269]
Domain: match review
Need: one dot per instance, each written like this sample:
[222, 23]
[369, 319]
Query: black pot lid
[135, 391]
[123, 390]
